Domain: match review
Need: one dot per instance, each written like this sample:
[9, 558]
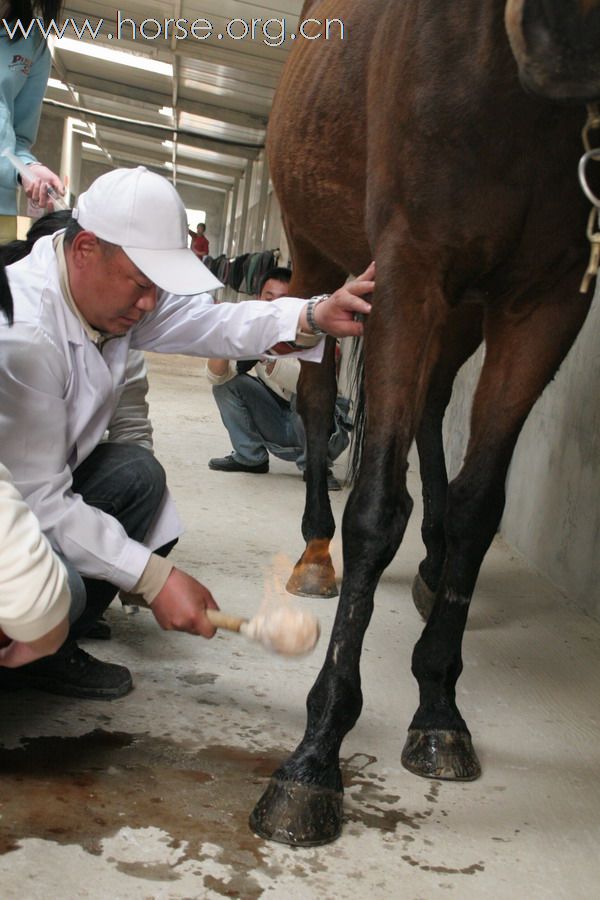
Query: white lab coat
[58, 394]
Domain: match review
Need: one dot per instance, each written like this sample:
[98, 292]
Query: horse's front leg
[313, 574]
[303, 802]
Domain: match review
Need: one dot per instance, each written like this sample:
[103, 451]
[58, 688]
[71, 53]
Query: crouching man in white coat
[119, 277]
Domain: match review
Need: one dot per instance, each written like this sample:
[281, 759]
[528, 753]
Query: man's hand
[181, 605]
[18, 653]
[336, 315]
[35, 186]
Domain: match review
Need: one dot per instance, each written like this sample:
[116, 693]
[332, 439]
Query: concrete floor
[148, 797]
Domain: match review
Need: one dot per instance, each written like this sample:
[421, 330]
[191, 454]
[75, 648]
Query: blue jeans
[260, 423]
[127, 482]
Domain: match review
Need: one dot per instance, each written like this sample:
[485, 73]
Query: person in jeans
[259, 411]
[121, 277]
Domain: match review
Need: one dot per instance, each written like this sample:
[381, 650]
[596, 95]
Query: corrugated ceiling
[198, 105]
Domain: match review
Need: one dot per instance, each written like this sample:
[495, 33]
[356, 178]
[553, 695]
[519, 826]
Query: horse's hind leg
[462, 336]
[313, 574]
[522, 355]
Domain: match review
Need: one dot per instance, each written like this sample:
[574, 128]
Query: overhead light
[86, 146]
[120, 57]
[58, 85]
[166, 111]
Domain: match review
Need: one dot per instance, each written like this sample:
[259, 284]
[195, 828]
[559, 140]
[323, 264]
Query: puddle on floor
[83, 790]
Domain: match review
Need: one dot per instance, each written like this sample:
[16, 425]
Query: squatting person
[121, 276]
[259, 410]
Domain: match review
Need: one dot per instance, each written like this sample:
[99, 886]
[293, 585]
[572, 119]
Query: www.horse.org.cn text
[272, 31]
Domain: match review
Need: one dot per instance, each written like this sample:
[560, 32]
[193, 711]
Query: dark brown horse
[414, 142]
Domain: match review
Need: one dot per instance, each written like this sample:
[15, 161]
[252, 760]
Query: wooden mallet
[283, 628]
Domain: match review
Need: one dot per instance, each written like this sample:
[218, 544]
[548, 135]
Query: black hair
[48, 224]
[6, 302]
[279, 273]
[26, 10]
[16, 250]
[71, 231]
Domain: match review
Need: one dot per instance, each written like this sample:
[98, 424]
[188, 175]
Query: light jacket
[282, 380]
[58, 393]
[24, 70]
[34, 594]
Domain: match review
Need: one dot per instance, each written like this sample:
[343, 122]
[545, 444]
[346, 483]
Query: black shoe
[332, 482]
[99, 631]
[229, 464]
[71, 672]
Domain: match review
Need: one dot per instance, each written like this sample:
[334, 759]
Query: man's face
[109, 290]
[273, 289]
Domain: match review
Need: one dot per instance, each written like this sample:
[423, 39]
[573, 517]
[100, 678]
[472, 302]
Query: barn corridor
[147, 797]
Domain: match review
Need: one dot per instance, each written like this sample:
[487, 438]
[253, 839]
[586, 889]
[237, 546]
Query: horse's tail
[357, 383]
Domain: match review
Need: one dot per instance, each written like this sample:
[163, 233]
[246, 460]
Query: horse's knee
[373, 531]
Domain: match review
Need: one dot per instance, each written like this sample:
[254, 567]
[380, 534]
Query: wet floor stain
[85, 790]
[444, 870]
[82, 790]
[372, 805]
[198, 678]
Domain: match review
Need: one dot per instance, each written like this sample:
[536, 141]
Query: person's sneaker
[332, 483]
[99, 631]
[229, 464]
[71, 672]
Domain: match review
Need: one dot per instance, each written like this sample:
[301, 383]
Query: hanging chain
[593, 227]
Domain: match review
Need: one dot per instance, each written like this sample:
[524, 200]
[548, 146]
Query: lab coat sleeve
[34, 431]
[195, 326]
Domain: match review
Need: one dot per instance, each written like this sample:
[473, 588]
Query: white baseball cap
[142, 213]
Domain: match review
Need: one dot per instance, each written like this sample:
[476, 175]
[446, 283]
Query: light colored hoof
[314, 575]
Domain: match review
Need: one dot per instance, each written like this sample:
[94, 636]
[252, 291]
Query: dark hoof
[423, 597]
[314, 575]
[448, 755]
[303, 815]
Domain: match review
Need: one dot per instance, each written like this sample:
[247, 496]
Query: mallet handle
[224, 620]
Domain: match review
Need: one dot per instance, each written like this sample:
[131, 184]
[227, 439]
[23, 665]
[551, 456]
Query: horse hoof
[313, 577]
[448, 755]
[423, 597]
[302, 815]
